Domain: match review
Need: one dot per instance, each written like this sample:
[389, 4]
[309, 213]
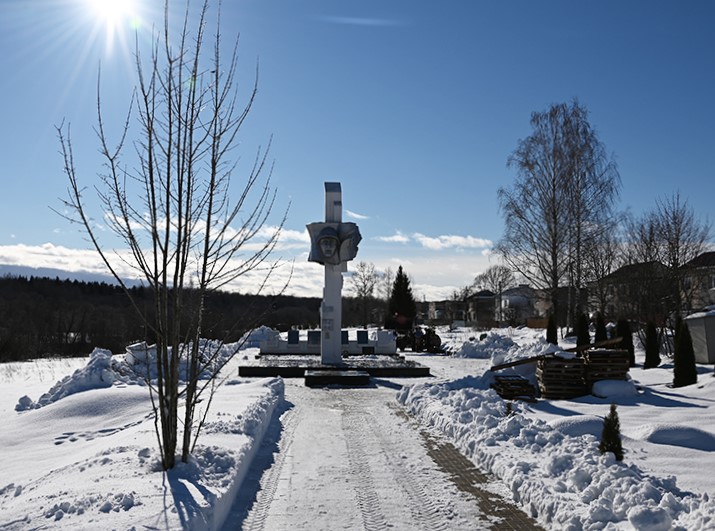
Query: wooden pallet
[561, 378]
[606, 365]
[514, 387]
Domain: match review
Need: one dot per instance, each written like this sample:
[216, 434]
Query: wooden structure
[561, 377]
[606, 365]
[514, 387]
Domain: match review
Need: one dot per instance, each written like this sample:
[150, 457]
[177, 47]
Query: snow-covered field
[81, 451]
[88, 458]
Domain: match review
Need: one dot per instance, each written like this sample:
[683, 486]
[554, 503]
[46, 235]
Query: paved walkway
[354, 459]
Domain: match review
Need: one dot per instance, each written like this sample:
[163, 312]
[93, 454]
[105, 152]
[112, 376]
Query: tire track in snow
[347, 459]
[256, 519]
[359, 465]
[384, 462]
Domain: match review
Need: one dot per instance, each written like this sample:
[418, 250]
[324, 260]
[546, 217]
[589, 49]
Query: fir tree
[623, 330]
[684, 370]
[401, 306]
[611, 435]
[551, 332]
[583, 337]
[601, 334]
[652, 346]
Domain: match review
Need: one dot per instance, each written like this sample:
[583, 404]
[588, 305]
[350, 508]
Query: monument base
[296, 366]
[345, 378]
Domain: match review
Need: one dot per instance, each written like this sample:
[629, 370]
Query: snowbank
[492, 345]
[555, 472]
[89, 460]
[253, 338]
[101, 371]
[613, 388]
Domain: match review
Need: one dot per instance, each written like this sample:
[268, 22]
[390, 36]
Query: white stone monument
[333, 244]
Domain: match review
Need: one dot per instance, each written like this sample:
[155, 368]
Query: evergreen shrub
[611, 435]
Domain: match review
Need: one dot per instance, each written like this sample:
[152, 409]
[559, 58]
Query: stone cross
[333, 244]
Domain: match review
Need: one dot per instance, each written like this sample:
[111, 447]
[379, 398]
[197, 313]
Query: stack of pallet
[561, 377]
[606, 365]
[514, 387]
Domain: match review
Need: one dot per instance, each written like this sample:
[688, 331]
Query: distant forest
[42, 317]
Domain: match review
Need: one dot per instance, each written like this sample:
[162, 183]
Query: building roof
[703, 260]
[630, 271]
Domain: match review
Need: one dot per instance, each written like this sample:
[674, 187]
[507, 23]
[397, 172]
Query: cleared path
[353, 459]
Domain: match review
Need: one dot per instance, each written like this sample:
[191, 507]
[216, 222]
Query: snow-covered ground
[80, 452]
[547, 454]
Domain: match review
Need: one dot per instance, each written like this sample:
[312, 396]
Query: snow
[547, 454]
[80, 451]
[613, 388]
[84, 455]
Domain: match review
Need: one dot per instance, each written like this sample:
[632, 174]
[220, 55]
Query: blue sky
[414, 106]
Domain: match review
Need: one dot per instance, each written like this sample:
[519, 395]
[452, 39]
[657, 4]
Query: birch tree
[363, 281]
[564, 189]
[186, 232]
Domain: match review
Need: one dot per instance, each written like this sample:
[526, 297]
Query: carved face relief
[328, 247]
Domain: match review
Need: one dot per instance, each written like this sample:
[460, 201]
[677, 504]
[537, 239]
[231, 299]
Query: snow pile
[253, 338]
[101, 371]
[676, 435]
[141, 358]
[89, 461]
[613, 388]
[561, 479]
[486, 348]
[500, 348]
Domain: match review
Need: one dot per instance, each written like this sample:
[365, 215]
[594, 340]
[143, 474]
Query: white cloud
[362, 21]
[355, 215]
[398, 237]
[435, 276]
[451, 242]
[293, 235]
[438, 243]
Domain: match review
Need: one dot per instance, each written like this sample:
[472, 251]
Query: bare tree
[363, 282]
[659, 243]
[593, 187]
[564, 187]
[600, 260]
[495, 278]
[386, 280]
[185, 236]
[682, 238]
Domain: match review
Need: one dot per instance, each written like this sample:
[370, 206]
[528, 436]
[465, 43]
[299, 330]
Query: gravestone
[333, 244]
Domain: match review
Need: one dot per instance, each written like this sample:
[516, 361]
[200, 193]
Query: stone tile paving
[467, 478]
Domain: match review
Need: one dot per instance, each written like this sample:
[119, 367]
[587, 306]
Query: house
[476, 310]
[699, 282]
[516, 305]
[638, 292]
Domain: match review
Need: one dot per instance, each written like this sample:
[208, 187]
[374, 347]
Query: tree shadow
[265, 457]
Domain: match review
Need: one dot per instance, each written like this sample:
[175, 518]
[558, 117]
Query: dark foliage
[611, 435]
[652, 346]
[551, 330]
[601, 333]
[623, 330]
[684, 369]
[401, 309]
[42, 316]
[583, 337]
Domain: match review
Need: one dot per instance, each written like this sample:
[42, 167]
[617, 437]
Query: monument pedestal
[331, 316]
